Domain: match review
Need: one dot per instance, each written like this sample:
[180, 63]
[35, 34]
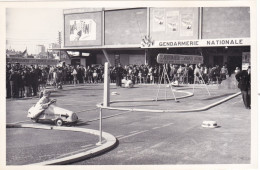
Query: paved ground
[144, 137]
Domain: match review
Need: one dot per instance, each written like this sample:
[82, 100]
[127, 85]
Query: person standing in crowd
[223, 73]
[14, 83]
[8, 87]
[119, 75]
[197, 74]
[26, 80]
[190, 74]
[34, 81]
[244, 84]
[74, 73]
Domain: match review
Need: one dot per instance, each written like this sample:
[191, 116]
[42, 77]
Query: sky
[29, 27]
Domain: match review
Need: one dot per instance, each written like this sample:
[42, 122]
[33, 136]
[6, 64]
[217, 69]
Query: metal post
[106, 56]
[100, 127]
[106, 98]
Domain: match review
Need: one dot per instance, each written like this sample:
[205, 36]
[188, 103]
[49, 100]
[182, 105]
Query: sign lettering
[201, 43]
[179, 59]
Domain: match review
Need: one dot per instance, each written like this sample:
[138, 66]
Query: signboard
[32, 61]
[179, 59]
[202, 43]
[245, 60]
[82, 30]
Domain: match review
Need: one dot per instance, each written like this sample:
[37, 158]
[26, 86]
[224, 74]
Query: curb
[110, 143]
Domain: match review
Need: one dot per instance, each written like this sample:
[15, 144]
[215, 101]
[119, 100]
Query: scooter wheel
[34, 120]
[59, 122]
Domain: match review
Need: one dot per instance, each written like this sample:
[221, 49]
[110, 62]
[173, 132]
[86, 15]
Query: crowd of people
[28, 80]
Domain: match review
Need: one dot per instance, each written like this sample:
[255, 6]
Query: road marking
[108, 116]
[119, 136]
[134, 134]
[86, 110]
[134, 131]
[158, 127]
[167, 125]
[85, 146]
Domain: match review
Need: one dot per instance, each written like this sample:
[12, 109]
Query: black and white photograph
[127, 84]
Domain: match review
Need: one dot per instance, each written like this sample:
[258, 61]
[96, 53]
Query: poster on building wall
[159, 20]
[186, 25]
[82, 30]
[172, 21]
[245, 60]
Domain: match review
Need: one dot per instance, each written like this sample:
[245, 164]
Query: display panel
[123, 27]
[83, 29]
[231, 22]
[174, 23]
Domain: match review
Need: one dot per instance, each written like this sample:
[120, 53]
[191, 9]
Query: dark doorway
[218, 60]
[233, 62]
[75, 62]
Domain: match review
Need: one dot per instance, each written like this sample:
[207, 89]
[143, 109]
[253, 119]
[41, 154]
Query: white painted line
[85, 146]
[134, 134]
[156, 128]
[134, 131]
[167, 124]
[92, 120]
[86, 110]
[119, 136]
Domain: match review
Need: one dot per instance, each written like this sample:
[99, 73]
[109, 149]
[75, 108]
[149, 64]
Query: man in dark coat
[34, 81]
[13, 78]
[26, 81]
[244, 84]
[119, 75]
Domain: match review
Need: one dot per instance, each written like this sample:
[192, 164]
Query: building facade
[135, 36]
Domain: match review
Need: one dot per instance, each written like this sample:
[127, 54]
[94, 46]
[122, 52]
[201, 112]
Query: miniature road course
[143, 137]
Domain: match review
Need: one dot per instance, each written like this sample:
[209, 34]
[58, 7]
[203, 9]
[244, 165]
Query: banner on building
[179, 59]
[201, 43]
[172, 21]
[186, 25]
[83, 30]
[32, 61]
[159, 20]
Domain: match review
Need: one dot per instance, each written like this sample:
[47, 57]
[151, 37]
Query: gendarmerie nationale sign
[202, 43]
[179, 59]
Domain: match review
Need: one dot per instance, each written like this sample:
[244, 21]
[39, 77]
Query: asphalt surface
[145, 138]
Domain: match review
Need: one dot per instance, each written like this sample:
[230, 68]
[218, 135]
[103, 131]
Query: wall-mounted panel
[226, 22]
[83, 29]
[174, 23]
[123, 27]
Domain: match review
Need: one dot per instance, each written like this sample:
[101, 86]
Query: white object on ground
[114, 93]
[209, 124]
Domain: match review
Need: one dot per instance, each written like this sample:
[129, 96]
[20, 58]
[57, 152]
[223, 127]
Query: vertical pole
[160, 82]
[100, 127]
[106, 56]
[165, 83]
[106, 99]
[200, 23]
